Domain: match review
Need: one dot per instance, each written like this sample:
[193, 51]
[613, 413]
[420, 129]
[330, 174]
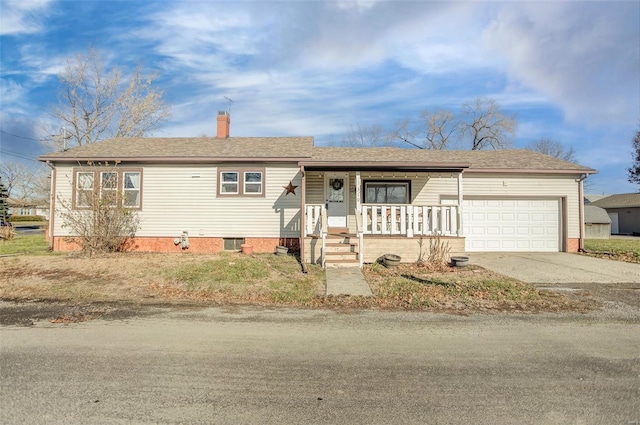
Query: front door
[336, 188]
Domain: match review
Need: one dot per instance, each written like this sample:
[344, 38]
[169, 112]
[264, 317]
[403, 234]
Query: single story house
[23, 207]
[624, 211]
[597, 223]
[336, 205]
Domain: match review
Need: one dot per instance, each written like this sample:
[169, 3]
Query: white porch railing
[312, 220]
[410, 220]
[359, 232]
[316, 224]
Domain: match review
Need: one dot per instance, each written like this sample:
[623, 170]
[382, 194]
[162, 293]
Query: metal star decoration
[290, 188]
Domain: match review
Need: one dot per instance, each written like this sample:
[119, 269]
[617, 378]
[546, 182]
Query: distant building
[597, 222]
[624, 211]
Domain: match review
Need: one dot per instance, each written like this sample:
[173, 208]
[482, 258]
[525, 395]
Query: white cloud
[583, 55]
[22, 17]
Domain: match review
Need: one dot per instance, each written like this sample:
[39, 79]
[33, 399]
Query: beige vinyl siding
[315, 187]
[63, 193]
[498, 186]
[183, 198]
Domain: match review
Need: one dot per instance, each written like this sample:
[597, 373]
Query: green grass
[629, 247]
[25, 244]
[262, 276]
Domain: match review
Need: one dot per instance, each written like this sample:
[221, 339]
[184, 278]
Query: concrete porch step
[341, 255]
[341, 247]
[332, 262]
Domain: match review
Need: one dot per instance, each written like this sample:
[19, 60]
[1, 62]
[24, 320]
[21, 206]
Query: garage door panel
[512, 225]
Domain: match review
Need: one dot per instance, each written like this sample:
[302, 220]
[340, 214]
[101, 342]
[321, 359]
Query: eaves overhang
[383, 165]
[587, 171]
[168, 160]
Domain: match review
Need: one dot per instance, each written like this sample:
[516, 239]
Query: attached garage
[512, 224]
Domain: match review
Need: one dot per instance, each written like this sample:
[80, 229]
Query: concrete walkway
[556, 267]
[346, 281]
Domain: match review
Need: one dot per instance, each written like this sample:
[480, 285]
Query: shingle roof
[622, 200]
[301, 149]
[184, 149]
[502, 160]
[595, 215]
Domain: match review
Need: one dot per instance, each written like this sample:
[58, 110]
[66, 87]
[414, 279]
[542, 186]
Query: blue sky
[569, 70]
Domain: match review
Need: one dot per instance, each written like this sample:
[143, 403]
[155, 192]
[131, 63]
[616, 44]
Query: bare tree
[634, 170]
[25, 183]
[440, 127]
[486, 125]
[95, 103]
[434, 130]
[365, 136]
[554, 149]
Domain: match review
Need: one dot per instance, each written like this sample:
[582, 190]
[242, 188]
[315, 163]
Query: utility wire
[20, 137]
[17, 155]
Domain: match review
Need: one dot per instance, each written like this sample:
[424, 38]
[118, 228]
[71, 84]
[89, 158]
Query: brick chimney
[223, 125]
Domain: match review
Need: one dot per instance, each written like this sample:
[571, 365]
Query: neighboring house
[22, 207]
[624, 211]
[336, 205]
[590, 197]
[597, 223]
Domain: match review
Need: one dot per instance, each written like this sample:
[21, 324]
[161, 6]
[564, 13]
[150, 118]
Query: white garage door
[511, 224]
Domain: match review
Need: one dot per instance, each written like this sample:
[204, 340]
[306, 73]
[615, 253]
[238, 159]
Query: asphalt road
[249, 366]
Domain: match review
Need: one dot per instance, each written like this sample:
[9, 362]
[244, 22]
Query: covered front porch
[355, 216]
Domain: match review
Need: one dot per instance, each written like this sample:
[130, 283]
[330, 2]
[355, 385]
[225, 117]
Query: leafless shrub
[98, 221]
[438, 256]
[7, 232]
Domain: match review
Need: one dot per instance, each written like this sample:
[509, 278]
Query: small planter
[391, 260]
[459, 261]
[281, 250]
[247, 249]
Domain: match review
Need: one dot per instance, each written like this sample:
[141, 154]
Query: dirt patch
[32, 312]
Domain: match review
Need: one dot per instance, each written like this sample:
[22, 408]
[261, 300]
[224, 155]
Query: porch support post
[358, 196]
[460, 199]
[303, 213]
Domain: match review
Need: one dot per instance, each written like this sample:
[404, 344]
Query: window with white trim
[84, 189]
[253, 182]
[109, 187]
[131, 189]
[119, 187]
[229, 182]
[241, 182]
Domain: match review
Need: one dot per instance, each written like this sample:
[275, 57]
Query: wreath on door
[337, 184]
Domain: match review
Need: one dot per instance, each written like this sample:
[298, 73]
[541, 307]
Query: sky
[569, 71]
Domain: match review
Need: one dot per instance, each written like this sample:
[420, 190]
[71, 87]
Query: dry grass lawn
[265, 279]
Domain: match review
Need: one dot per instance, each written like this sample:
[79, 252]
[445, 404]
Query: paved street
[288, 366]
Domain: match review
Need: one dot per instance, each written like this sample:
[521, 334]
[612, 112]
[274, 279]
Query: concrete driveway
[556, 267]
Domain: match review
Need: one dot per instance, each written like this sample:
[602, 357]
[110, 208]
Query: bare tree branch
[554, 149]
[95, 103]
[634, 170]
[486, 125]
[24, 183]
[365, 136]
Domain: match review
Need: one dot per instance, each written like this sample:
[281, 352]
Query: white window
[84, 189]
[109, 191]
[131, 189]
[229, 182]
[241, 182]
[109, 187]
[253, 182]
